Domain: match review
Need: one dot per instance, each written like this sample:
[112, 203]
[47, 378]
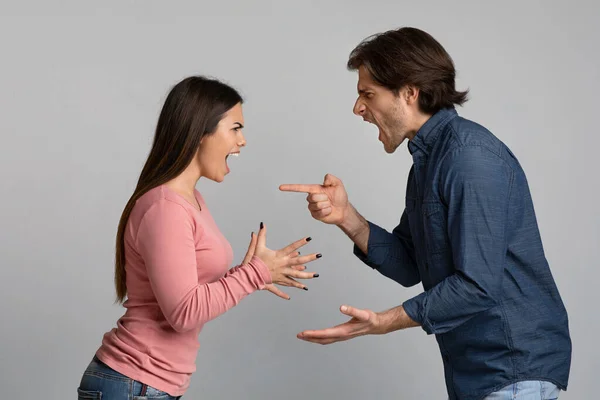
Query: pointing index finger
[301, 188]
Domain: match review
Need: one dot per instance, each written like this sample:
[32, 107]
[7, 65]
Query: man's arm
[356, 227]
[395, 319]
[476, 185]
[363, 322]
[392, 254]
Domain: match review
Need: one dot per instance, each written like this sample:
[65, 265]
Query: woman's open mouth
[234, 154]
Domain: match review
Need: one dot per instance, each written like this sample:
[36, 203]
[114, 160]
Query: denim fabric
[100, 382]
[528, 390]
[469, 234]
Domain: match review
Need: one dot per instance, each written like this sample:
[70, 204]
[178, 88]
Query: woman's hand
[270, 287]
[285, 265]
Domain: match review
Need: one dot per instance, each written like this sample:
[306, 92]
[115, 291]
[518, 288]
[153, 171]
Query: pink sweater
[177, 279]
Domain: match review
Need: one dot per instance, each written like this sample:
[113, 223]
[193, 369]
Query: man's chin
[390, 149]
[393, 148]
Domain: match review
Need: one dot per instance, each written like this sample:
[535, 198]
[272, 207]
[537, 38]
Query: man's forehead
[365, 82]
[363, 86]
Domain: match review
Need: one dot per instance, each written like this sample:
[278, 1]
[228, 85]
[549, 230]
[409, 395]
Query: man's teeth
[234, 154]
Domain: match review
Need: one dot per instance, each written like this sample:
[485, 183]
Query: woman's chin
[216, 178]
[220, 178]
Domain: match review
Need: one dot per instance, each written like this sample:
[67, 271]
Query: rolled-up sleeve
[475, 185]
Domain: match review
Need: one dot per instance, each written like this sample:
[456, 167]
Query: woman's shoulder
[159, 200]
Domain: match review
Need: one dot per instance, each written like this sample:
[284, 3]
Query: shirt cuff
[416, 308]
[377, 247]
[262, 270]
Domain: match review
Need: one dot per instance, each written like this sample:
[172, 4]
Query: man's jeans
[527, 390]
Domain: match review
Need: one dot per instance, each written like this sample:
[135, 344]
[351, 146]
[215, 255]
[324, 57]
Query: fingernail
[319, 255]
[308, 239]
[261, 225]
[316, 275]
[305, 288]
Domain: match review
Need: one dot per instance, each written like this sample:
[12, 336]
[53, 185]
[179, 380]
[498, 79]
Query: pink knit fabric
[177, 264]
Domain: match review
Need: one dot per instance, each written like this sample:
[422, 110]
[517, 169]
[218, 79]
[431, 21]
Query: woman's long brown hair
[193, 109]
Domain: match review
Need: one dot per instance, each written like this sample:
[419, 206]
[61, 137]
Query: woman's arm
[165, 241]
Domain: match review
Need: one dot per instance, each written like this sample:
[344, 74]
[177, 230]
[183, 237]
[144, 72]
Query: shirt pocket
[435, 228]
[88, 394]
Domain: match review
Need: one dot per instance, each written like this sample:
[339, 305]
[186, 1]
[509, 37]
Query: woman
[172, 260]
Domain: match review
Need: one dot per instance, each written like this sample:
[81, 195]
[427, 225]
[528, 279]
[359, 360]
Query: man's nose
[359, 108]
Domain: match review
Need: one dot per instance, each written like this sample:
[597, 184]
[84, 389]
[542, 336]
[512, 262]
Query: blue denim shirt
[469, 234]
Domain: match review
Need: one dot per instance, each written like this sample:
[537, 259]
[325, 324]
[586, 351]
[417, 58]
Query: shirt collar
[429, 132]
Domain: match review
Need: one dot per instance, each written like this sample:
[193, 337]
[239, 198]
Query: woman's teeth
[226, 157]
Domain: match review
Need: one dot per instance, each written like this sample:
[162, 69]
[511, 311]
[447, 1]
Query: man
[468, 232]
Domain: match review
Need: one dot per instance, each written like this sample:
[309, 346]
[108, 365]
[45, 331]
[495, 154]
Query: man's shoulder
[468, 141]
[467, 133]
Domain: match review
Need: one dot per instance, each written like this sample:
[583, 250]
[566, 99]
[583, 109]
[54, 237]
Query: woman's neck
[186, 182]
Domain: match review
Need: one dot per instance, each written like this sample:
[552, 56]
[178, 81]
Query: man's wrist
[352, 224]
[346, 223]
[395, 319]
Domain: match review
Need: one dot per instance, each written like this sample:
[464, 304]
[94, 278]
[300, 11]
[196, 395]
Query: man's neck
[419, 121]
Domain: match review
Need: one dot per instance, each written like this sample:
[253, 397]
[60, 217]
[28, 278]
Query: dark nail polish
[308, 239]
[262, 225]
[316, 275]
[305, 288]
[319, 255]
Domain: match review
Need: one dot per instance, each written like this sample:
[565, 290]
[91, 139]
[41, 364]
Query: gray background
[81, 86]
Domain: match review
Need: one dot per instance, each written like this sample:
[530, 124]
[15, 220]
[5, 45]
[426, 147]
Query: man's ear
[410, 94]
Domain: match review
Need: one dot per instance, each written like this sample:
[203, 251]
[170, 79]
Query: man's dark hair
[410, 56]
